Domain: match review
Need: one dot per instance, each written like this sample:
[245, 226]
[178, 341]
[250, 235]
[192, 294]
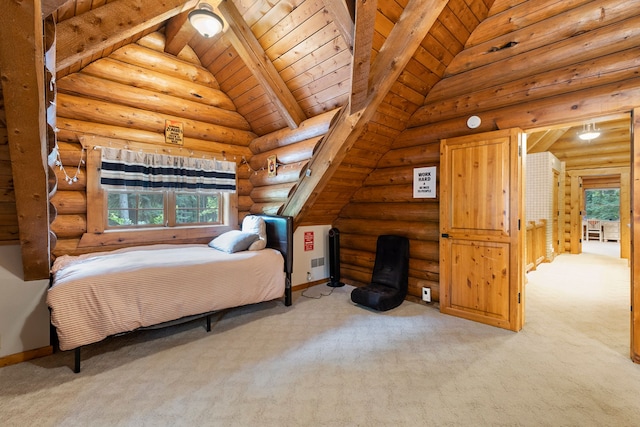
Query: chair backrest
[594, 225]
[391, 267]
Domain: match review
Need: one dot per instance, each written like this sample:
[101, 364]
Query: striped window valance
[132, 170]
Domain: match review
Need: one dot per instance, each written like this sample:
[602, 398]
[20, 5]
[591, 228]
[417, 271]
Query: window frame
[169, 209]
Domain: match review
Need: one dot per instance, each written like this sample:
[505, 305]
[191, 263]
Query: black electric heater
[334, 258]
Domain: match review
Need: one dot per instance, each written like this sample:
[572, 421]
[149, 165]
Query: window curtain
[133, 170]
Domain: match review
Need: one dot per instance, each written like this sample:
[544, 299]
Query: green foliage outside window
[193, 208]
[603, 204]
[139, 209]
[135, 209]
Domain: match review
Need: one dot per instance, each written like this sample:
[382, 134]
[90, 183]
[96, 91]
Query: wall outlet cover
[426, 294]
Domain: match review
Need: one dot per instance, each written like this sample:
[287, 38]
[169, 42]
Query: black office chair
[390, 278]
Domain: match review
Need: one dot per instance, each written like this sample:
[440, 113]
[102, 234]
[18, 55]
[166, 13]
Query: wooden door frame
[625, 207]
[634, 209]
[635, 236]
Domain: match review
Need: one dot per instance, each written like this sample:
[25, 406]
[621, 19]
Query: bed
[95, 296]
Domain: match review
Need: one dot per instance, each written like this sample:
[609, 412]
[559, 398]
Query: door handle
[445, 235]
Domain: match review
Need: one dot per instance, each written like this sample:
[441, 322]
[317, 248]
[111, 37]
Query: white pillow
[255, 224]
[233, 241]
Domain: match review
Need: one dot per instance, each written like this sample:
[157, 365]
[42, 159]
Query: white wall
[24, 317]
[302, 258]
[540, 192]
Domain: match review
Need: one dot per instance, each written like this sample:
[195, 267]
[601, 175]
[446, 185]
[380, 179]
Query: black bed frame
[279, 237]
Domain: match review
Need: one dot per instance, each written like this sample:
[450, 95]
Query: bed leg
[208, 323]
[287, 291]
[76, 362]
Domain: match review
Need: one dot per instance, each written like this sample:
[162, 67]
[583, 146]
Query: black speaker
[334, 258]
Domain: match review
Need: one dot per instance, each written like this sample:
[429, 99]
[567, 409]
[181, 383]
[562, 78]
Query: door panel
[482, 244]
[480, 201]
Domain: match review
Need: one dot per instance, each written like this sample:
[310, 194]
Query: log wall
[292, 149]
[557, 63]
[128, 96]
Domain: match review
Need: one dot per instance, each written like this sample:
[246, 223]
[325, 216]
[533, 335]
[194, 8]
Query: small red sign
[308, 241]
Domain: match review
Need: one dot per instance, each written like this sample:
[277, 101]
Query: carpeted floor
[326, 362]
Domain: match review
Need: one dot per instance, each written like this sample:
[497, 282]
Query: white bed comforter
[94, 296]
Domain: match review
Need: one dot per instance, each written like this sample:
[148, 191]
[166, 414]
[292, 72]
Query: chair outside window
[594, 229]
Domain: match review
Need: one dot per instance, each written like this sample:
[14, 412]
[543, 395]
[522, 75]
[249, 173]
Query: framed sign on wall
[424, 183]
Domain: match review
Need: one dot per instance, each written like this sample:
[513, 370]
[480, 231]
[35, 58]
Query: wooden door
[482, 232]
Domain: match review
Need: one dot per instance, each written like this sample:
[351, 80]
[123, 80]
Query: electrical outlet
[426, 294]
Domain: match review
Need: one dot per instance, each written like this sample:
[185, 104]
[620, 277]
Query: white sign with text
[424, 183]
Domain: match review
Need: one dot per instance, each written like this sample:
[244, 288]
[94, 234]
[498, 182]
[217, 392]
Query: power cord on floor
[315, 297]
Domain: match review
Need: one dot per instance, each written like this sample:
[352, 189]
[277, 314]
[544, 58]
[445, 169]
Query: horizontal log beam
[285, 173]
[560, 26]
[107, 113]
[110, 91]
[392, 211]
[144, 57]
[71, 130]
[611, 99]
[70, 202]
[68, 226]
[121, 72]
[594, 44]
[91, 32]
[310, 128]
[413, 230]
[298, 152]
[608, 69]
[271, 193]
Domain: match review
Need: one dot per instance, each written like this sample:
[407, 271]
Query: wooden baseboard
[13, 359]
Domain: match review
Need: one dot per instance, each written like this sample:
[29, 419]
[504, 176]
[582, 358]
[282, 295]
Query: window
[603, 204]
[197, 208]
[134, 209]
[158, 204]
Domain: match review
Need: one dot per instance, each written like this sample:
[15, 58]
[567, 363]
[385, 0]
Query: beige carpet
[326, 362]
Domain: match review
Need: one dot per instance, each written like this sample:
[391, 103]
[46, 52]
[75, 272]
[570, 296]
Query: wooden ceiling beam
[542, 141]
[412, 27]
[22, 76]
[50, 6]
[341, 17]
[178, 32]
[82, 36]
[361, 65]
[253, 55]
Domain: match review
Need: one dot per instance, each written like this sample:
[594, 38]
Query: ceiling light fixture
[589, 132]
[205, 21]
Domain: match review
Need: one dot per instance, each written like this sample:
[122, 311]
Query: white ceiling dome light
[205, 21]
[588, 132]
[473, 122]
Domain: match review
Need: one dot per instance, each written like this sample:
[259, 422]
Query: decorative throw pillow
[233, 241]
[255, 224]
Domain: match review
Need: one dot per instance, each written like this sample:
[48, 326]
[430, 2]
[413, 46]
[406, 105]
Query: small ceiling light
[205, 21]
[589, 132]
[473, 122]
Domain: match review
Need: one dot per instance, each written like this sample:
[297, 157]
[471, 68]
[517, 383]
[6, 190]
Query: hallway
[585, 295]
